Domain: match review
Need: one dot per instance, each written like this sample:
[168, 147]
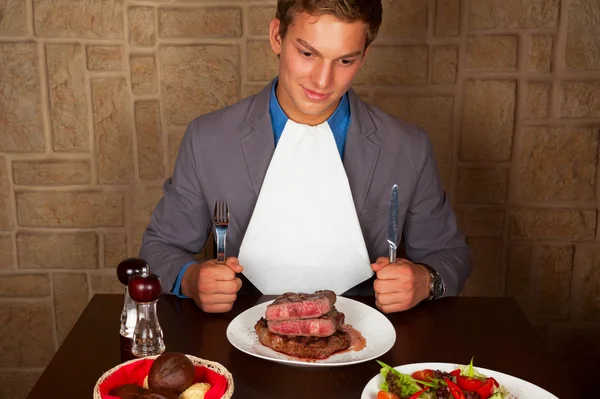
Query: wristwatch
[437, 288]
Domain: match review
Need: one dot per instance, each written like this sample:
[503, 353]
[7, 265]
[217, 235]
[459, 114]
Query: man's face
[319, 57]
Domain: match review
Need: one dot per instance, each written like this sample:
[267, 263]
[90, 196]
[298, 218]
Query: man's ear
[275, 36]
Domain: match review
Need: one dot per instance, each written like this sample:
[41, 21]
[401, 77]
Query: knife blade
[392, 227]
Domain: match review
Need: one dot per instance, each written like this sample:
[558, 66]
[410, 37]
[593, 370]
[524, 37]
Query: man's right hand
[213, 286]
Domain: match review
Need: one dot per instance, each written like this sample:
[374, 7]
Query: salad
[462, 383]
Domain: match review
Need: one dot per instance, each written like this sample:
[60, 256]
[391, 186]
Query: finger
[397, 307]
[224, 273]
[217, 299]
[396, 301]
[211, 287]
[238, 282]
[234, 264]
[380, 264]
[215, 272]
[388, 299]
[396, 271]
[383, 260]
[228, 287]
[385, 286]
[375, 267]
[218, 308]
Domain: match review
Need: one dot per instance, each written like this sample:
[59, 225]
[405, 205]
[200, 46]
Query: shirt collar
[278, 117]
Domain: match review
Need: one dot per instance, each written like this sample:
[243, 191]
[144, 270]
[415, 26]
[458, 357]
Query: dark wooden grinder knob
[145, 287]
[130, 267]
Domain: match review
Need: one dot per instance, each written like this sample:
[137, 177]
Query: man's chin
[313, 110]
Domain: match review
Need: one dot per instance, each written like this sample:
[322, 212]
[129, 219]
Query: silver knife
[392, 227]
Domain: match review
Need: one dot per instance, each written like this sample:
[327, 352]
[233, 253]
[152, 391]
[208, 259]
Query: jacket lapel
[361, 153]
[259, 144]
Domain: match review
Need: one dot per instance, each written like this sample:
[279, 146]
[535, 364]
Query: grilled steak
[300, 305]
[323, 326]
[303, 347]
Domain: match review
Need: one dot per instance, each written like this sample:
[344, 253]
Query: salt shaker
[125, 271]
[145, 290]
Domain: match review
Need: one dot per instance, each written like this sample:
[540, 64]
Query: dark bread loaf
[171, 371]
[127, 391]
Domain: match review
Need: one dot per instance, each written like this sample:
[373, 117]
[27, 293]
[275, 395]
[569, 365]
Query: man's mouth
[315, 96]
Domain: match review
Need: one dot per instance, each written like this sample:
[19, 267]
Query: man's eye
[347, 62]
[306, 53]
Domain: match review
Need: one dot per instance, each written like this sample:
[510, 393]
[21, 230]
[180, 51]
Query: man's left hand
[399, 286]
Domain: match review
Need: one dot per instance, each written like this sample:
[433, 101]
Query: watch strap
[434, 278]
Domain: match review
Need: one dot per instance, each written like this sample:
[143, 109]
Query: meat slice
[302, 347]
[300, 305]
[322, 326]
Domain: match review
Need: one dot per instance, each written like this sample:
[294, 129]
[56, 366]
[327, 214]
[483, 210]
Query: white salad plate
[516, 387]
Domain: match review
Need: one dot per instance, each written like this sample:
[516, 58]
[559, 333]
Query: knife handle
[392, 255]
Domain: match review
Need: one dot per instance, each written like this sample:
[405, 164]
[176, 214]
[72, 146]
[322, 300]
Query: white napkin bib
[304, 233]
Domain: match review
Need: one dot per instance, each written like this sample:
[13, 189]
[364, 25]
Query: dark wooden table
[494, 330]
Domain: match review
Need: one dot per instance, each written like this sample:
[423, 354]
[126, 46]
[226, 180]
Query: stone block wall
[96, 94]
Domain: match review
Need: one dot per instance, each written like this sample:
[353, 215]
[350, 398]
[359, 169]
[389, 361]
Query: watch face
[439, 288]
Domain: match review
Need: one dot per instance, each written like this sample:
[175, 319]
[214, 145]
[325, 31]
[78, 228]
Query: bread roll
[172, 371]
[196, 391]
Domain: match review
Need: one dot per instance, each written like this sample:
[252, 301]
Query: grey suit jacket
[224, 155]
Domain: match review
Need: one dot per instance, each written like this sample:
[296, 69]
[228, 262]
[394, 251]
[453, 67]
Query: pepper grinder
[125, 271]
[145, 289]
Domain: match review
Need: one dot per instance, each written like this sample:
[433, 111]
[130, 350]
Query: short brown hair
[367, 11]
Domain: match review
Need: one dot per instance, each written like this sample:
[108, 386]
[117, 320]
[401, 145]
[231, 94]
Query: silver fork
[221, 222]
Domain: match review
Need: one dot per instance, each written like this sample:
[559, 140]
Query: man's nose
[323, 75]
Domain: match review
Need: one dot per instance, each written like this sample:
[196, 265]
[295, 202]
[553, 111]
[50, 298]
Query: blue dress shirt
[338, 123]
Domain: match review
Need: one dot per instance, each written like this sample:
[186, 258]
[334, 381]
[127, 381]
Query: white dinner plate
[516, 387]
[377, 330]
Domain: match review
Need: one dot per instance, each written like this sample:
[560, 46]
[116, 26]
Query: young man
[307, 169]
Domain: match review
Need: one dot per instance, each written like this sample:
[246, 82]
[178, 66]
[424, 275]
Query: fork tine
[221, 221]
[221, 212]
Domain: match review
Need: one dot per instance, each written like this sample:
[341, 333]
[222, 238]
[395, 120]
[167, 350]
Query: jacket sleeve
[181, 221]
[431, 233]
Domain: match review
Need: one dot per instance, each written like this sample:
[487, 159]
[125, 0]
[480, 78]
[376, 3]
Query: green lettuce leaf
[405, 382]
[469, 371]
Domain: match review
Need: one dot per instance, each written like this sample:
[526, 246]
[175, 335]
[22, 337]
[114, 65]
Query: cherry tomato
[423, 375]
[468, 383]
[486, 389]
[386, 395]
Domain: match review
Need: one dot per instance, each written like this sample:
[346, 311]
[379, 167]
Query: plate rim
[483, 370]
[316, 363]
